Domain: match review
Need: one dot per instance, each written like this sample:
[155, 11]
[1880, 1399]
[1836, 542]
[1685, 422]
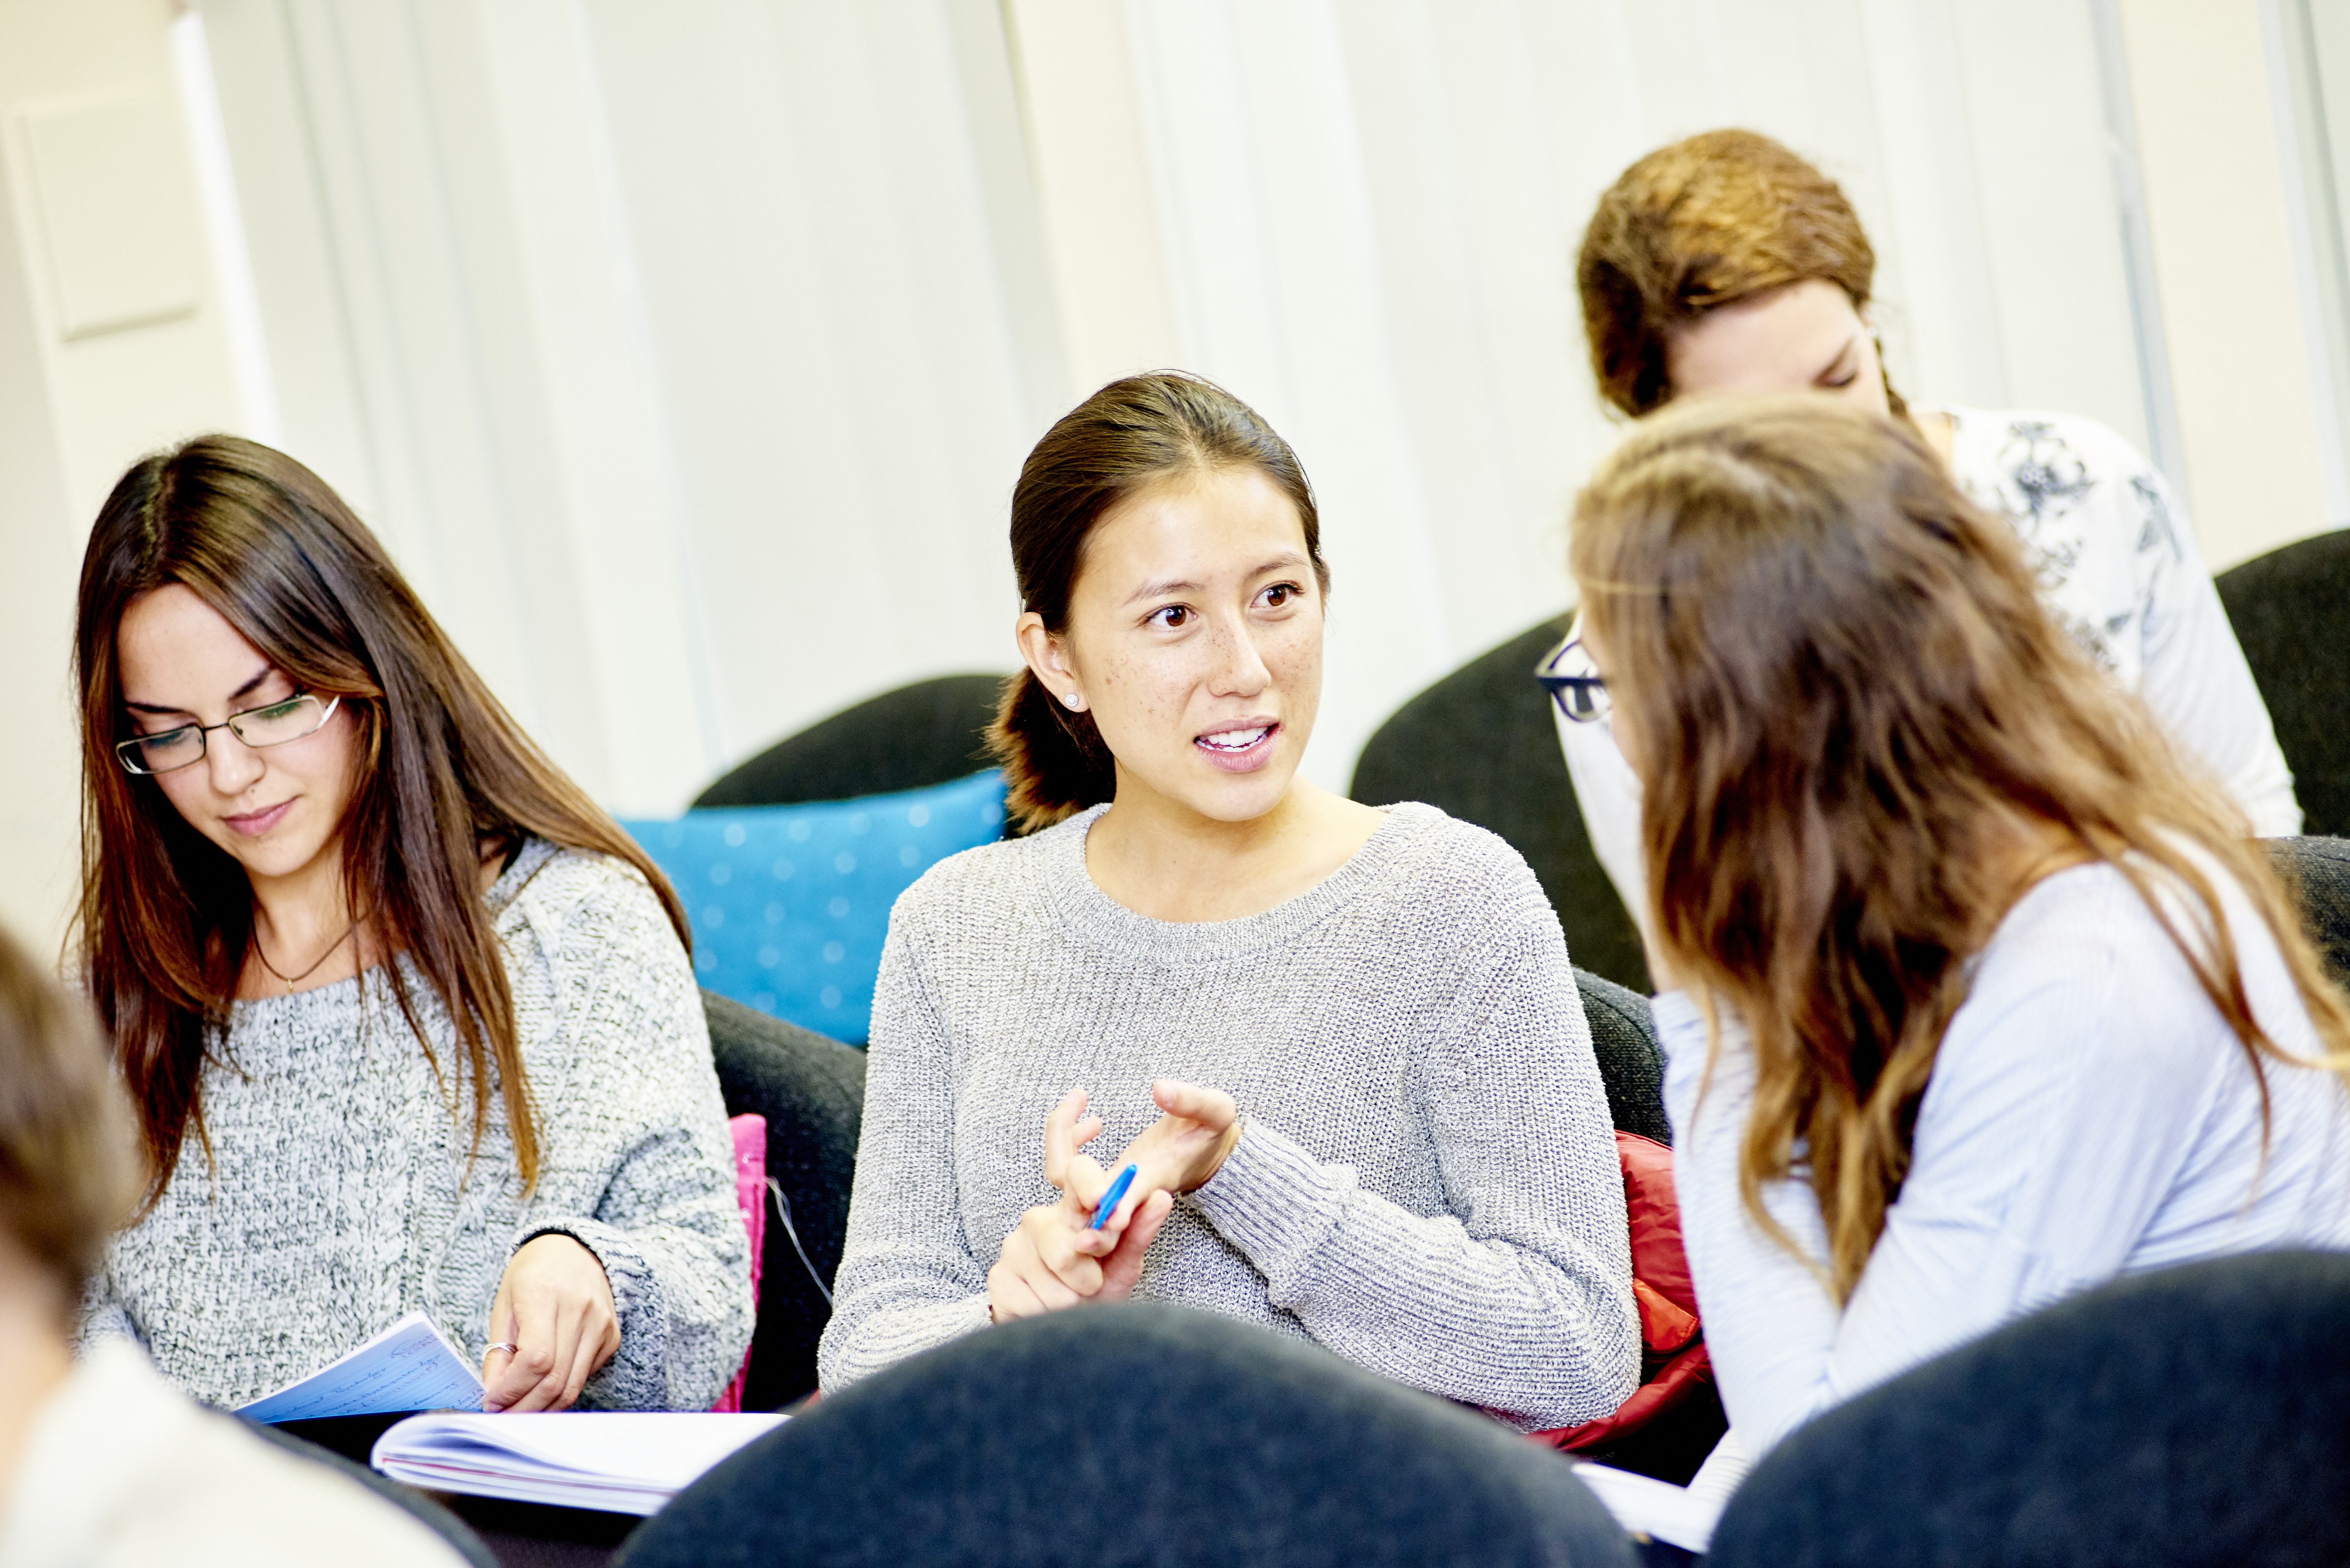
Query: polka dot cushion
[789, 903]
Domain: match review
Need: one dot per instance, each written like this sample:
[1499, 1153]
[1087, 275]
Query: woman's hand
[1053, 1259]
[555, 1306]
[1184, 1148]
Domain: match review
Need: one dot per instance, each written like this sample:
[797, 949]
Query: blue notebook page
[408, 1367]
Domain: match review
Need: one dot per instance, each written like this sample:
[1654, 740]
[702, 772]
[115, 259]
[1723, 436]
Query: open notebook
[618, 1461]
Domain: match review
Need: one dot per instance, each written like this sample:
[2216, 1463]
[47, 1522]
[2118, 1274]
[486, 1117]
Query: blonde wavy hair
[1848, 706]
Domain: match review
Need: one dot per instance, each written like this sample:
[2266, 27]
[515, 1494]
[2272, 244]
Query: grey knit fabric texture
[341, 1196]
[1426, 1182]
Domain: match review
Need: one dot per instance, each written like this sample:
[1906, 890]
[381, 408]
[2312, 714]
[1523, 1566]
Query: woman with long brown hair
[1340, 1048]
[408, 1020]
[1976, 995]
[1725, 263]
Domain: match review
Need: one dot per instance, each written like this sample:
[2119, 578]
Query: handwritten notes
[408, 1367]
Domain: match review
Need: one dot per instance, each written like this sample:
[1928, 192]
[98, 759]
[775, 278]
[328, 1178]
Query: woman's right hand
[1053, 1258]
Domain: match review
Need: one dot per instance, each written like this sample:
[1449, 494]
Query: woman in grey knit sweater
[1341, 1047]
[408, 1020]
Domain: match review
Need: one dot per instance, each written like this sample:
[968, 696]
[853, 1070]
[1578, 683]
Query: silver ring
[509, 1349]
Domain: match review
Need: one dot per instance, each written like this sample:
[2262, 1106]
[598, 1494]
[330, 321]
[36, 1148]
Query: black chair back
[811, 1089]
[2291, 609]
[1631, 1062]
[931, 732]
[2318, 872]
[1481, 745]
[2188, 1418]
[1132, 1435]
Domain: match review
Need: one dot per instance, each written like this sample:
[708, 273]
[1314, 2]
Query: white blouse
[2090, 1115]
[2118, 568]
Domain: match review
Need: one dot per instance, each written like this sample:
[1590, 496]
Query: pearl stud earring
[1073, 700]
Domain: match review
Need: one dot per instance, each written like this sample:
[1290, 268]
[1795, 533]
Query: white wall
[685, 355]
[110, 344]
[1366, 211]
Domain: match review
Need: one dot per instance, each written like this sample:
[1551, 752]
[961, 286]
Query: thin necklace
[291, 980]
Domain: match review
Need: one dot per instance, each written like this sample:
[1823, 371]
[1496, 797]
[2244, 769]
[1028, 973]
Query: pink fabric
[749, 1133]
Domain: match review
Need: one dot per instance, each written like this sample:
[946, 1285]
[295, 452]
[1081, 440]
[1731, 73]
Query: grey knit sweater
[341, 1195]
[1425, 1183]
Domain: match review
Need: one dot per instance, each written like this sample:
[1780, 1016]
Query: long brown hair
[1848, 705]
[166, 915]
[1132, 434]
[1721, 217]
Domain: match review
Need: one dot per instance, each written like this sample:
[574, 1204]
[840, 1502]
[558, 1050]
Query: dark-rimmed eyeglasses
[1573, 682]
[271, 725]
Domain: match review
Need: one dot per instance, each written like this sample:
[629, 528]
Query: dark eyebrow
[1287, 558]
[244, 690]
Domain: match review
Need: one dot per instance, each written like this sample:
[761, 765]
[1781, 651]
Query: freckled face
[1195, 638]
[274, 810]
[1804, 338]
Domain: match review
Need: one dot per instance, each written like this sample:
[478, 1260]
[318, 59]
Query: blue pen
[1110, 1200]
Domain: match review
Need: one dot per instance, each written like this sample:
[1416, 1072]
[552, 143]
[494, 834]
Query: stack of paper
[408, 1367]
[619, 1461]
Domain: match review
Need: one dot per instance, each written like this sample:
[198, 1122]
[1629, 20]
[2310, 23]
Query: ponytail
[1131, 434]
[1055, 764]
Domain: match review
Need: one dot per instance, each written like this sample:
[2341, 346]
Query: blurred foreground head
[66, 1152]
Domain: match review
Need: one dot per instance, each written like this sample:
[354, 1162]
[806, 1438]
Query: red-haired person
[1725, 263]
[408, 1021]
[104, 1463]
[1976, 995]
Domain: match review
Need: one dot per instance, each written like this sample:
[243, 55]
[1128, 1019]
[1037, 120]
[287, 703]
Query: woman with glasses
[1340, 1048]
[408, 1020]
[1725, 263]
[1975, 996]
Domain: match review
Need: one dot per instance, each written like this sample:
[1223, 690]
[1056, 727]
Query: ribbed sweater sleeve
[909, 1278]
[1508, 1300]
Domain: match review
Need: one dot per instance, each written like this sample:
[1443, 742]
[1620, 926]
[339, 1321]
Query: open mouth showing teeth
[1235, 740]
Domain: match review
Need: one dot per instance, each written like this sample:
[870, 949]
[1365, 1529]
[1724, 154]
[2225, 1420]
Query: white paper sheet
[1684, 1516]
[408, 1367]
[619, 1461]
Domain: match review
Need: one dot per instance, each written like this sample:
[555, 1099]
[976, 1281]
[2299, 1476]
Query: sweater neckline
[1093, 916]
[527, 863]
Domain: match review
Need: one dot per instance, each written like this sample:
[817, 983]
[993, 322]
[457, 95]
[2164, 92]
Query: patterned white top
[342, 1198]
[2090, 1115]
[2118, 567]
[1426, 1181]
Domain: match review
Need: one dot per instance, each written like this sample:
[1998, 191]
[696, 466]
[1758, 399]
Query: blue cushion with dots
[790, 903]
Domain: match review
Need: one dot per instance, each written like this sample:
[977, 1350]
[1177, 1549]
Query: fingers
[555, 1305]
[1026, 1281]
[1211, 1109]
[1065, 1132]
[1122, 1270]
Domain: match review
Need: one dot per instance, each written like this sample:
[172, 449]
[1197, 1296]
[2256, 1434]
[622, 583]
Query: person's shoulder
[986, 881]
[2011, 438]
[1459, 872]
[570, 896]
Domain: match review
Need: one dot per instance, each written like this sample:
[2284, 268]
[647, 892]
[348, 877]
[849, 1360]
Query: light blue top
[2090, 1115]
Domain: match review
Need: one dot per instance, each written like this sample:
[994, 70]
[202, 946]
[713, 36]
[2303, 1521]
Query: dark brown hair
[67, 1160]
[444, 774]
[1849, 706]
[1131, 435]
[1719, 218]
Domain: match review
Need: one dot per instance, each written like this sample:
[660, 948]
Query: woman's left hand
[555, 1305]
[1183, 1150]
